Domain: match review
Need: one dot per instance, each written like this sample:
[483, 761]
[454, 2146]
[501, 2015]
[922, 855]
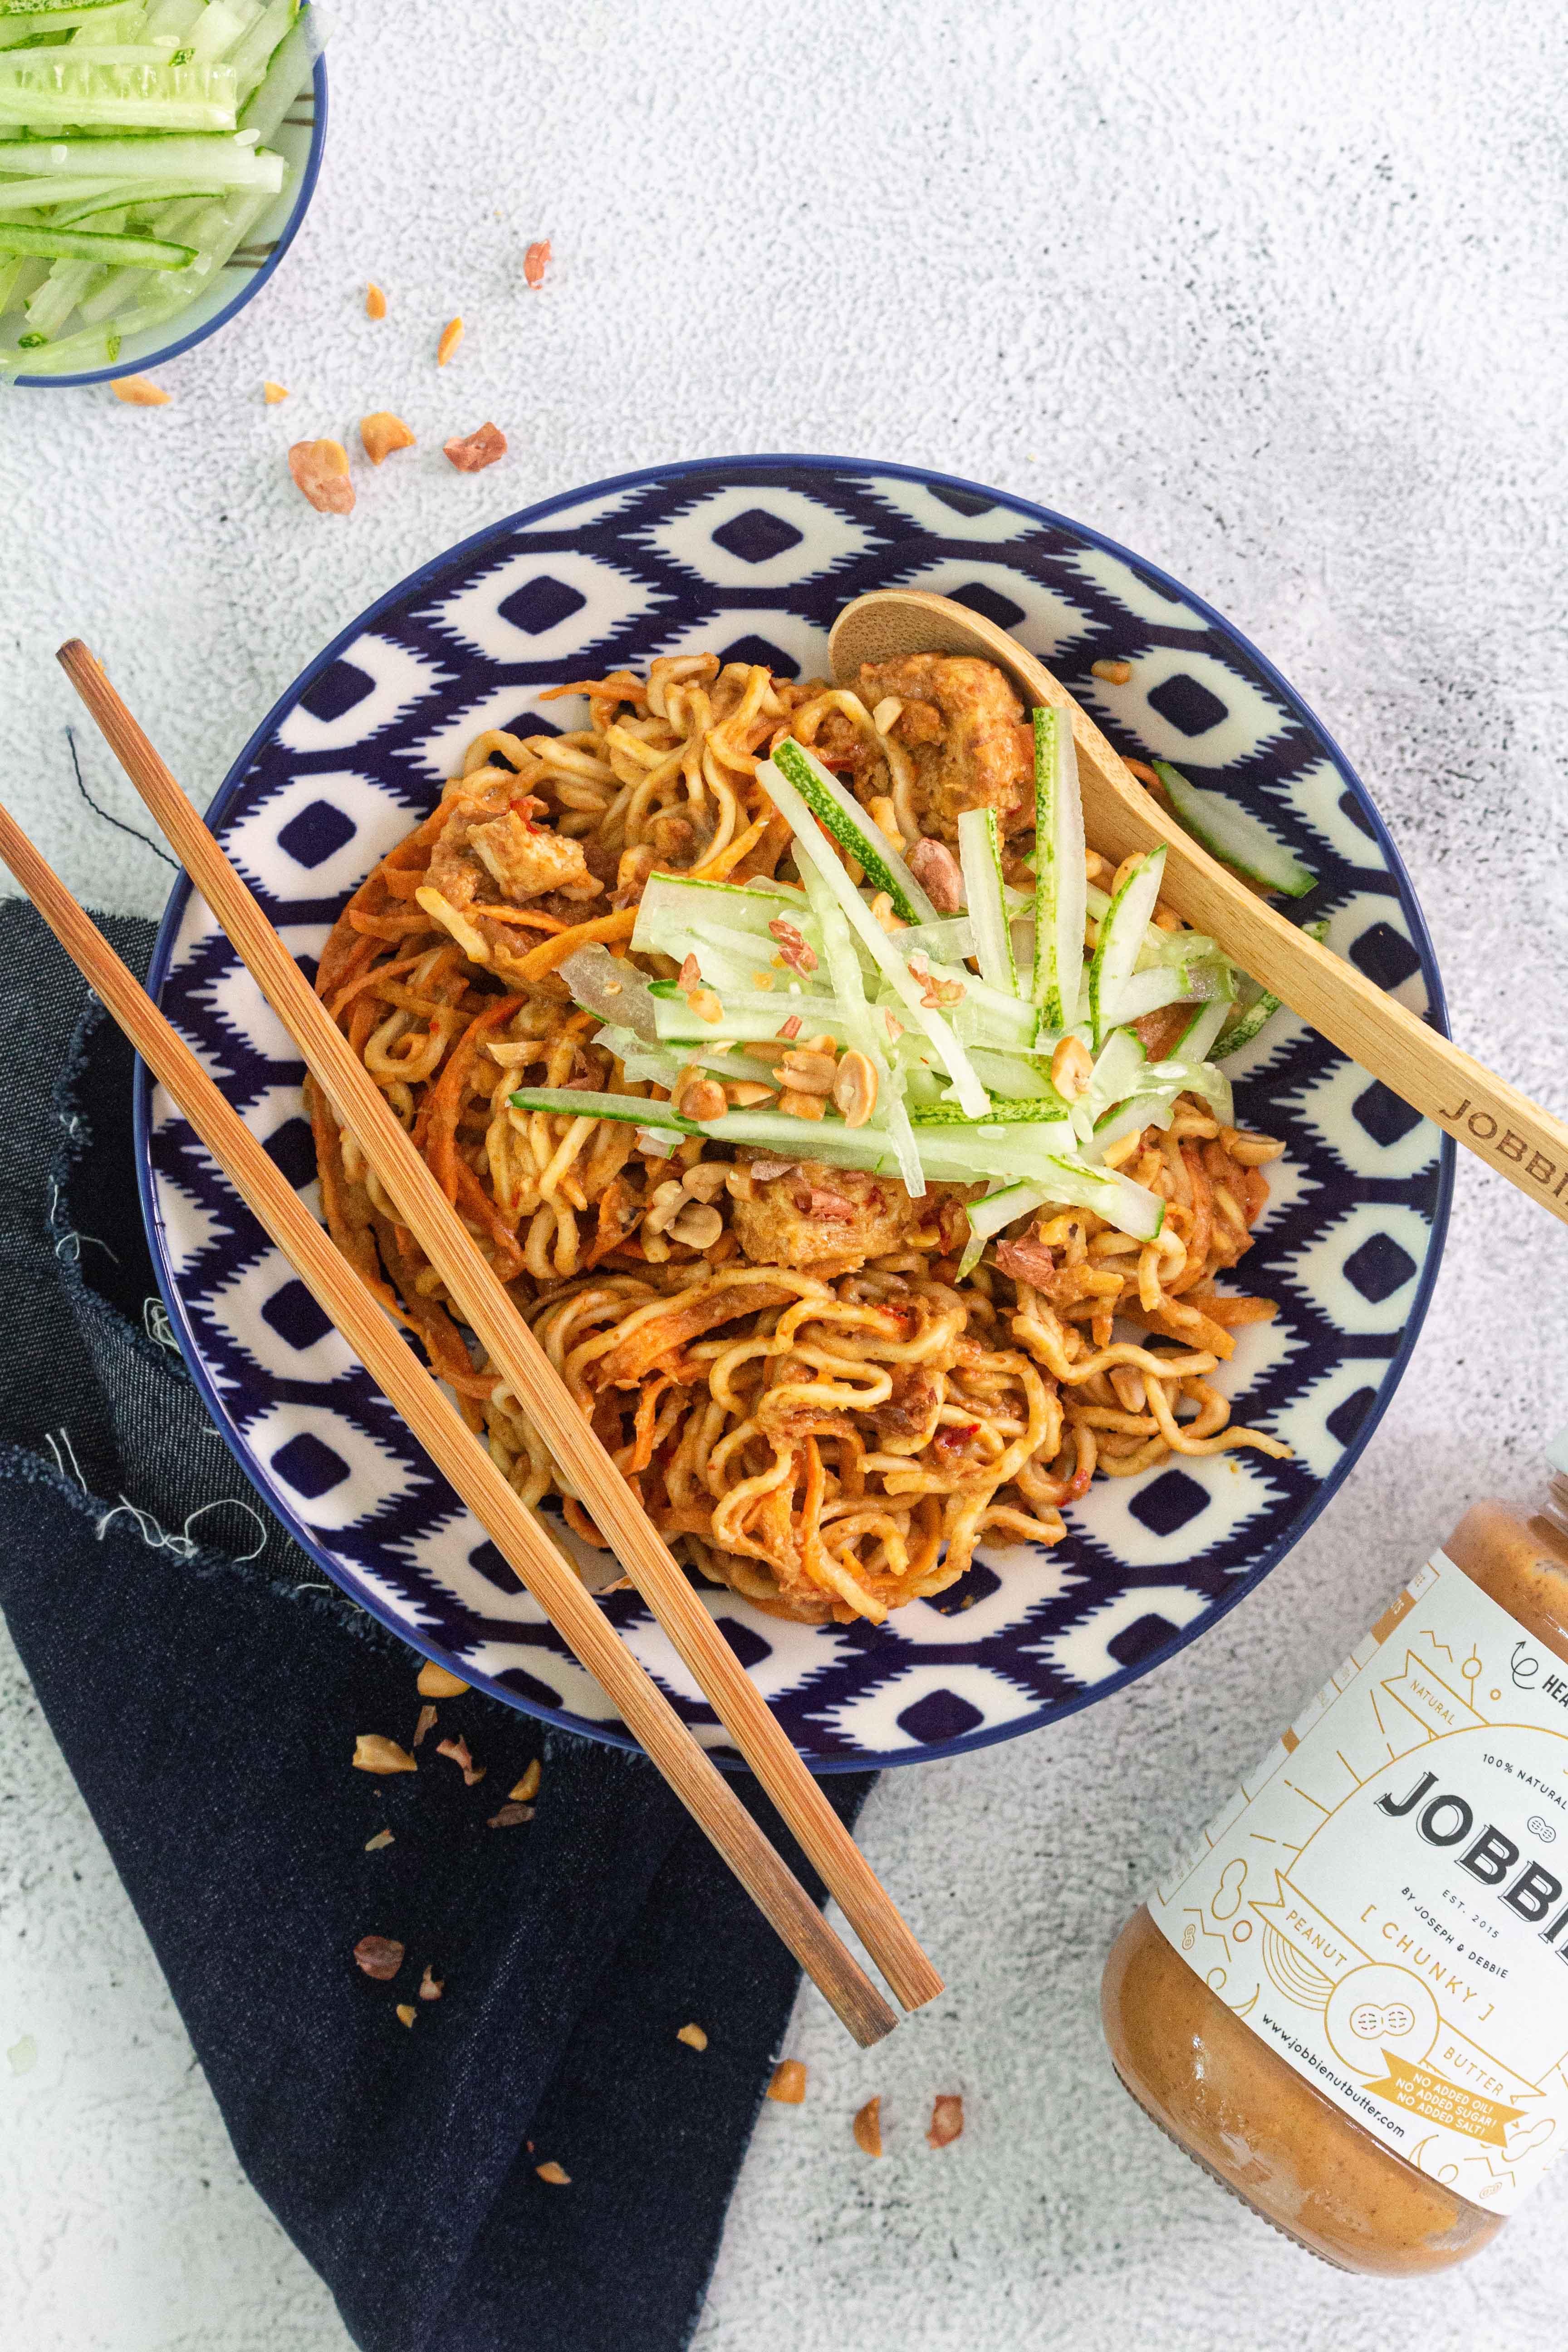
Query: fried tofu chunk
[525, 861]
[965, 730]
[810, 1213]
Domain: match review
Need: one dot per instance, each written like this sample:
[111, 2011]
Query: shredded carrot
[542, 961]
[520, 914]
[727, 859]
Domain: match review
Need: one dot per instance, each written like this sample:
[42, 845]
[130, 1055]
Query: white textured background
[1273, 294]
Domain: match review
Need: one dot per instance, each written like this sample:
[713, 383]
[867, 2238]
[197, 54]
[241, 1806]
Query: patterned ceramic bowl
[301, 141]
[754, 557]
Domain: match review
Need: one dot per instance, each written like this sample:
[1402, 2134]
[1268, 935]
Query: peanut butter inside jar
[1237, 2107]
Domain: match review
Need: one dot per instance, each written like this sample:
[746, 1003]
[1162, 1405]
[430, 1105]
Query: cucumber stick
[857, 835]
[42, 87]
[883, 950]
[92, 244]
[1120, 936]
[1061, 879]
[207, 162]
[1232, 834]
[980, 850]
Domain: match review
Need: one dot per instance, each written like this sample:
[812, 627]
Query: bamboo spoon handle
[490, 1312]
[554, 1584]
[1491, 1119]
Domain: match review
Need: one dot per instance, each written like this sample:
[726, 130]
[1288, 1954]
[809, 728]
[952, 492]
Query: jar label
[1384, 1901]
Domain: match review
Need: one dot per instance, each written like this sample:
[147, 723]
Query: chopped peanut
[384, 433]
[321, 469]
[1114, 673]
[535, 262]
[1071, 1069]
[855, 1088]
[374, 301]
[946, 2121]
[405, 2012]
[451, 336]
[788, 2085]
[552, 2173]
[527, 1788]
[707, 1004]
[458, 1749]
[473, 452]
[272, 393]
[799, 1106]
[431, 1986]
[373, 1753]
[435, 1682]
[699, 1097]
[693, 2037]
[374, 1845]
[744, 1094]
[869, 2127]
[379, 1955]
[698, 1226]
[139, 392]
[809, 1073]
[426, 1724]
[885, 717]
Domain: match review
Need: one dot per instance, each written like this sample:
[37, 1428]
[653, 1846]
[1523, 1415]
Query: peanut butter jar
[1349, 2003]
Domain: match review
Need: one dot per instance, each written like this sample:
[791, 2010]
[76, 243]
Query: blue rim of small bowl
[416, 583]
[252, 287]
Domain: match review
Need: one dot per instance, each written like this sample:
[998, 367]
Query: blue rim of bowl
[252, 284]
[168, 933]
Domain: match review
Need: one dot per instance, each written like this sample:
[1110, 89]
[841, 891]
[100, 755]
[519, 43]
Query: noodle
[831, 1436]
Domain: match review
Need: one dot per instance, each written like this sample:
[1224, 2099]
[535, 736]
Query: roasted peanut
[855, 1088]
[799, 1106]
[1071, 1069]
[321, 470]
[697, 1225]
[139, 392]
[384, 433]
[472, 452]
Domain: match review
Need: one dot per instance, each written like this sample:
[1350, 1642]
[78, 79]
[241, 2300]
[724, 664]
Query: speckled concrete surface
[1273, 295]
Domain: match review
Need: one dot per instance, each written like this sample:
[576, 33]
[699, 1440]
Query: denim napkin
[206, 1687]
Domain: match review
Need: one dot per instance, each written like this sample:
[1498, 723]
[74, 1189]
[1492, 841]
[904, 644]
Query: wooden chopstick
[488, 1309]
[548, 1574]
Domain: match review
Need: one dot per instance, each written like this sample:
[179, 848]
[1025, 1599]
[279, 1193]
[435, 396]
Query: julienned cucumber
[92, 244]
[854, 830]
[209, 162]
[574, 1102]
[75, 14]
[980, 849]
[883, 952]
[1234, 835]
[1120, 936]
[44, 87]
[1060, 877]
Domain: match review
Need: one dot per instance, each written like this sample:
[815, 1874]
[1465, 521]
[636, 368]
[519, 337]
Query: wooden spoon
[1501, 1126]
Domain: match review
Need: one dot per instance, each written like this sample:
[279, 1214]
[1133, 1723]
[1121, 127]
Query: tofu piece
[814, 1214]
[965, 731]
[524, 860]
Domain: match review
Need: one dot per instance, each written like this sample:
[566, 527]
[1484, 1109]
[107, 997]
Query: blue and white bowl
[754, 557]
[301, 139]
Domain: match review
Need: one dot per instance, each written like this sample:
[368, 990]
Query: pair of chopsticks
[485, 1306]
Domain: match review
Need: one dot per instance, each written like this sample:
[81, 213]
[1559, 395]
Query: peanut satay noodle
[812, 1406]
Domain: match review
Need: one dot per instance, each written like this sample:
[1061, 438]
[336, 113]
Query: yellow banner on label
[1442, 2102]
